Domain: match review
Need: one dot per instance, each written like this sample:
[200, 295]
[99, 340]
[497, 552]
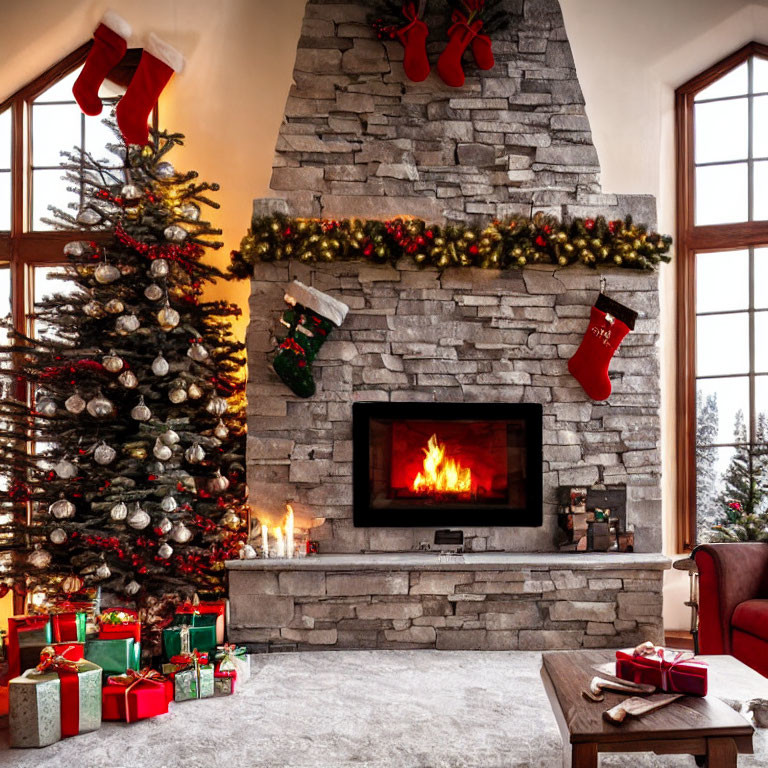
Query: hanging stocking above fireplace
[609, 323]
[311, 316]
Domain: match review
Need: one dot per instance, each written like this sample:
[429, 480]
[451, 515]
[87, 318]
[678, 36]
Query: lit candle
[264, 541]
[279, 543]
[289, 532]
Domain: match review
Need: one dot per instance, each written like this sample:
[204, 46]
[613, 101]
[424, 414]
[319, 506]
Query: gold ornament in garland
[512, 243]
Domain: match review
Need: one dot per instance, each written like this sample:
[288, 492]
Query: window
[36, 124]
[722, 270]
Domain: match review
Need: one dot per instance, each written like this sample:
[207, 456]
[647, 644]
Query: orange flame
[441, 475]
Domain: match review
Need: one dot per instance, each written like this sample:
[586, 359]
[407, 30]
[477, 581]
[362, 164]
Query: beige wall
[630, 56]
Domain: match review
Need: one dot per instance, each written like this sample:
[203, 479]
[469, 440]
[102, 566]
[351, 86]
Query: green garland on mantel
[512, 243]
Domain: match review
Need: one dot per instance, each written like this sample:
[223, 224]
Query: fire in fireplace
[438, 464]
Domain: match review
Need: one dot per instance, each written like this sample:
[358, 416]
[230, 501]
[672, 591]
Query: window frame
[691, 239]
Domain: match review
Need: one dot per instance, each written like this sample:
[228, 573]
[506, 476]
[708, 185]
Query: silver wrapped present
[195, 682]
[43, 709]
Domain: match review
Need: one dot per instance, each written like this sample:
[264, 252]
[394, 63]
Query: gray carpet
[382, 709]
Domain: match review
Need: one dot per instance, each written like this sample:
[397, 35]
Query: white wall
[630, 57]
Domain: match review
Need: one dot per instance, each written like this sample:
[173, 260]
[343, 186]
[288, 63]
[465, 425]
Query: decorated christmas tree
[123, 431]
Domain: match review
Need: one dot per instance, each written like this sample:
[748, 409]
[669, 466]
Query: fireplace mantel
[469, 561]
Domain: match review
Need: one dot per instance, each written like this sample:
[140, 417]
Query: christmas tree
[707, 504]
[744, 499]
[123, 435]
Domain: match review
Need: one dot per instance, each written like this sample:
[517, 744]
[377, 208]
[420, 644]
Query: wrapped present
[56, 699]
[230, 657]
[119, 623]
[87, 600]
[68, 627]
[28, 632]
[192, 613]
[114, 656]
[672, 671]
[175, 640]
[195, 681]
[136, 696]
[224, 683]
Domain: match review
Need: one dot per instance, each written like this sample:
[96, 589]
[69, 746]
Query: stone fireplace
[359, 139]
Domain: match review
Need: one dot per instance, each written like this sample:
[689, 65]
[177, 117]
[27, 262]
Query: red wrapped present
[224, 681]
[216, 607]
[136, 696]
[672, 671]
[26, 632]
[119, 624]
[68, 627]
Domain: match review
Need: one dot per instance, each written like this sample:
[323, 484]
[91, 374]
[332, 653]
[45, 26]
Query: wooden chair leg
[584, 756]
[721, 753]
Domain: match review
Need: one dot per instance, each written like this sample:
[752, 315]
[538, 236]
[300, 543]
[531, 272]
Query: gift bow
[118, 616]
[229, 660]
[188, 608]
[50, 661]
[185, 660]
[131, 679]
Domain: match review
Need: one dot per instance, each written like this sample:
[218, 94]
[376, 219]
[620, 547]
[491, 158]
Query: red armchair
[733, 601]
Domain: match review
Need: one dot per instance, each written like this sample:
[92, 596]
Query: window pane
[761, 279]
[722, 344]
[761, 401]
[735, 83]
[760, 127]
[5, 201]
[55, 128]
[48, 282]
[721, 131]
[711, 469]
[717, 402]
[97, 136]
[5, 300]
[60, 90]
[761, 342]
[48, 188]
[759, 75]
[761, 191]
[721, 194]
[722, 281]
[5, 140]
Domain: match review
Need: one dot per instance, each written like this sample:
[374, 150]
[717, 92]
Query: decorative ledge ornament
[509, 244]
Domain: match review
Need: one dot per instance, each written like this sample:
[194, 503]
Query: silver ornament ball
[164, 170]
[132, 587]
[66, 470]
[175, 233]
[153, 292]
[104, 454]
[164, 551]
[40, 558]
[119, 511]
[88, 217]
[168, 504]
[197, 352]
[126, 324]
[164, 526]
[181, 534]
[128, 379]
[75, 404]
[100, 407]
[217, 406]
[168, 318]
[114, 306]
[141, 411]
[160, 366]
[106, 273]
[159, 268]
[103, 572]
[139, 518]
[58, 536]
[62, 509]
[112, 362]
[177, 395]
[194, 454]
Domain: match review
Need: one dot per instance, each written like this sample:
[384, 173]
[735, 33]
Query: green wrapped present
[194, 620]
[194, 682]
[56, 699]
[202, 639]
[115, 657]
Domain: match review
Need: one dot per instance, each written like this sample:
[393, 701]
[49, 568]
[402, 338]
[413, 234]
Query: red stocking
[460, 35]
[482, 52]
[109, 46]
[609, 323]
[158, 63]
[413, 36]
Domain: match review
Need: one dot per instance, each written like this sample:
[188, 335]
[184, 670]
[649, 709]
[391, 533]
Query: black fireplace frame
[364, 516]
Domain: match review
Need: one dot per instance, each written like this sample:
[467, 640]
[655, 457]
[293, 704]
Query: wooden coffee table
[704, 727]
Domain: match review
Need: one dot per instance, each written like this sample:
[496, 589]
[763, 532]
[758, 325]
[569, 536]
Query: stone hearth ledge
[432, 561]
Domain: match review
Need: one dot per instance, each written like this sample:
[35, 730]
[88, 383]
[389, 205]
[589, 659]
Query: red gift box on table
[217, 607]
[671, 671]
[136, 696]
[119, 624]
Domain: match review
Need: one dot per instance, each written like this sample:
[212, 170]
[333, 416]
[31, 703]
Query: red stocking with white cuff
[158, 63]
[110, 42]
[609, 323]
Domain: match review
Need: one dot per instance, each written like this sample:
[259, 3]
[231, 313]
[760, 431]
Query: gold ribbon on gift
[50, 661]
[131, 679]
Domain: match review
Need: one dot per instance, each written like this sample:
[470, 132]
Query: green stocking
[311, 317]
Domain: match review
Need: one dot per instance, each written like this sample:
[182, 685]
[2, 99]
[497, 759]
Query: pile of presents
[70, 670]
